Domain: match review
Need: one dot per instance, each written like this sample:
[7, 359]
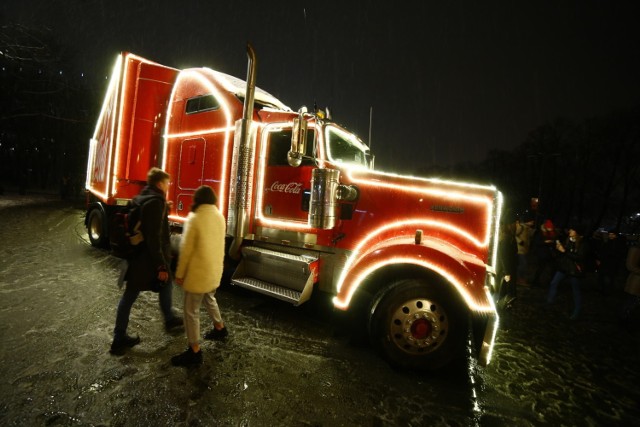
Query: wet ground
[281, 365]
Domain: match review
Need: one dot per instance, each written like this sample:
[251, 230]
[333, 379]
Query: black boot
[188, 358]
[217, 334]
[119, 345]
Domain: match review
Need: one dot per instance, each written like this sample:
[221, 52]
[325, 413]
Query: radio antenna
[370, 121]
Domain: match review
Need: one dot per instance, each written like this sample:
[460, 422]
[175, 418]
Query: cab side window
[280, 143]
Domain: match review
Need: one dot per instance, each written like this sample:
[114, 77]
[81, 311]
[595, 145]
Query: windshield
[345, 147]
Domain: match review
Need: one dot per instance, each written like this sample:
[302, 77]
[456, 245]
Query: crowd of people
[552, 257]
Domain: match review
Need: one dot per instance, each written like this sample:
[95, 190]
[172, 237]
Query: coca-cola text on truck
[305, 210]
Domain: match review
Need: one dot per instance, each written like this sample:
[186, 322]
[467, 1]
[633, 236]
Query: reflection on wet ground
[281, 365]
[552, 370]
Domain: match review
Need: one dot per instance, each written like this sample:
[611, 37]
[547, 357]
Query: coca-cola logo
[290, 187]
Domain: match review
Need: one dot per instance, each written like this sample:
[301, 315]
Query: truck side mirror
[298, 139]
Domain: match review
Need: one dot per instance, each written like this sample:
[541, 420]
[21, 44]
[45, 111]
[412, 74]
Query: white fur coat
[201, 258]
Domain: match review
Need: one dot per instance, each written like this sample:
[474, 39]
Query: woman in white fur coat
[199, 271]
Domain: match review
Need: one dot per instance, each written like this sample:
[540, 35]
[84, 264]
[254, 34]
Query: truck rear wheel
[97, 228]
[416, 327]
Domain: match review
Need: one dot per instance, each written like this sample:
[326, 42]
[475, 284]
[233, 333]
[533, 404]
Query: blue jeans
[575, 287]
[126, 302]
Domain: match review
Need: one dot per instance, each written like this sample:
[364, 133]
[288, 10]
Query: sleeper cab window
[201, 104]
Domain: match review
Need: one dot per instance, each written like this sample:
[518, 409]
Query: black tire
[417, 327]
[97, 228]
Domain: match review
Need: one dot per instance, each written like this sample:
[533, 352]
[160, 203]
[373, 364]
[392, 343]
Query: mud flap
[483, 330]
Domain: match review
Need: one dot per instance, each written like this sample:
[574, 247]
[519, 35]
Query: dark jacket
[572, 260]
[611, 255]
[155, 254]
[633, 265]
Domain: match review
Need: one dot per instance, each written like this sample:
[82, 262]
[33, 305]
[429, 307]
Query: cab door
[190, 173]
[284, 190]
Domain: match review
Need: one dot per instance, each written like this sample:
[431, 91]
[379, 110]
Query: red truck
[306, 211]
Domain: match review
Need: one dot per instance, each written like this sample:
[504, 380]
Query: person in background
[151, 265]
[610, 255]
[200, 267]
[571, 258]
[544, 244]
[507, 264]
[524, 233]
[65, 186]
[632, 286]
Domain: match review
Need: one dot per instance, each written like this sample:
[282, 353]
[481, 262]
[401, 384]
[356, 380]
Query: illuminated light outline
[418, 178]
[203, 79]
[405, 260]
[493, 212]
[488, 202]
[496, 233]
[90, 162]
[421, 190]
[237, 86]
[352, 260]
[356, 256]
[351, 137]
[262, 168]
[413, 222]
[437, 244]
[297, 225]
[199, 133]
[125, 89]
[494, 332]
[166, 136]
[351, 169]
[115, 79]
[490, 309]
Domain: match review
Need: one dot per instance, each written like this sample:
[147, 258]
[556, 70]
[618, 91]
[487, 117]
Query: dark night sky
[447, 80]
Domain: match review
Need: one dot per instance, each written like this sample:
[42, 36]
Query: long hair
[204, 195]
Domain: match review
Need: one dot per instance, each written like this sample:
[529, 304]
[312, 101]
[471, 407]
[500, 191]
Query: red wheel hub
[420, 329]
[418, 326]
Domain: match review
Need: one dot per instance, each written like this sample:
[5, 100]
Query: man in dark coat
[150, 267]
[610, 255]
[571, 258]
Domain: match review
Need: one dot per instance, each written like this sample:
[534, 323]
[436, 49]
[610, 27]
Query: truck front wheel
[415, 326]
[96, 228]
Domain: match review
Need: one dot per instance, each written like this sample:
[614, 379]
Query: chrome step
[285, 276]
[266, 288]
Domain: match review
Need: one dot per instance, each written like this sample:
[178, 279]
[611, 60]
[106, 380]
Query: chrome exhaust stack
[240, 191]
